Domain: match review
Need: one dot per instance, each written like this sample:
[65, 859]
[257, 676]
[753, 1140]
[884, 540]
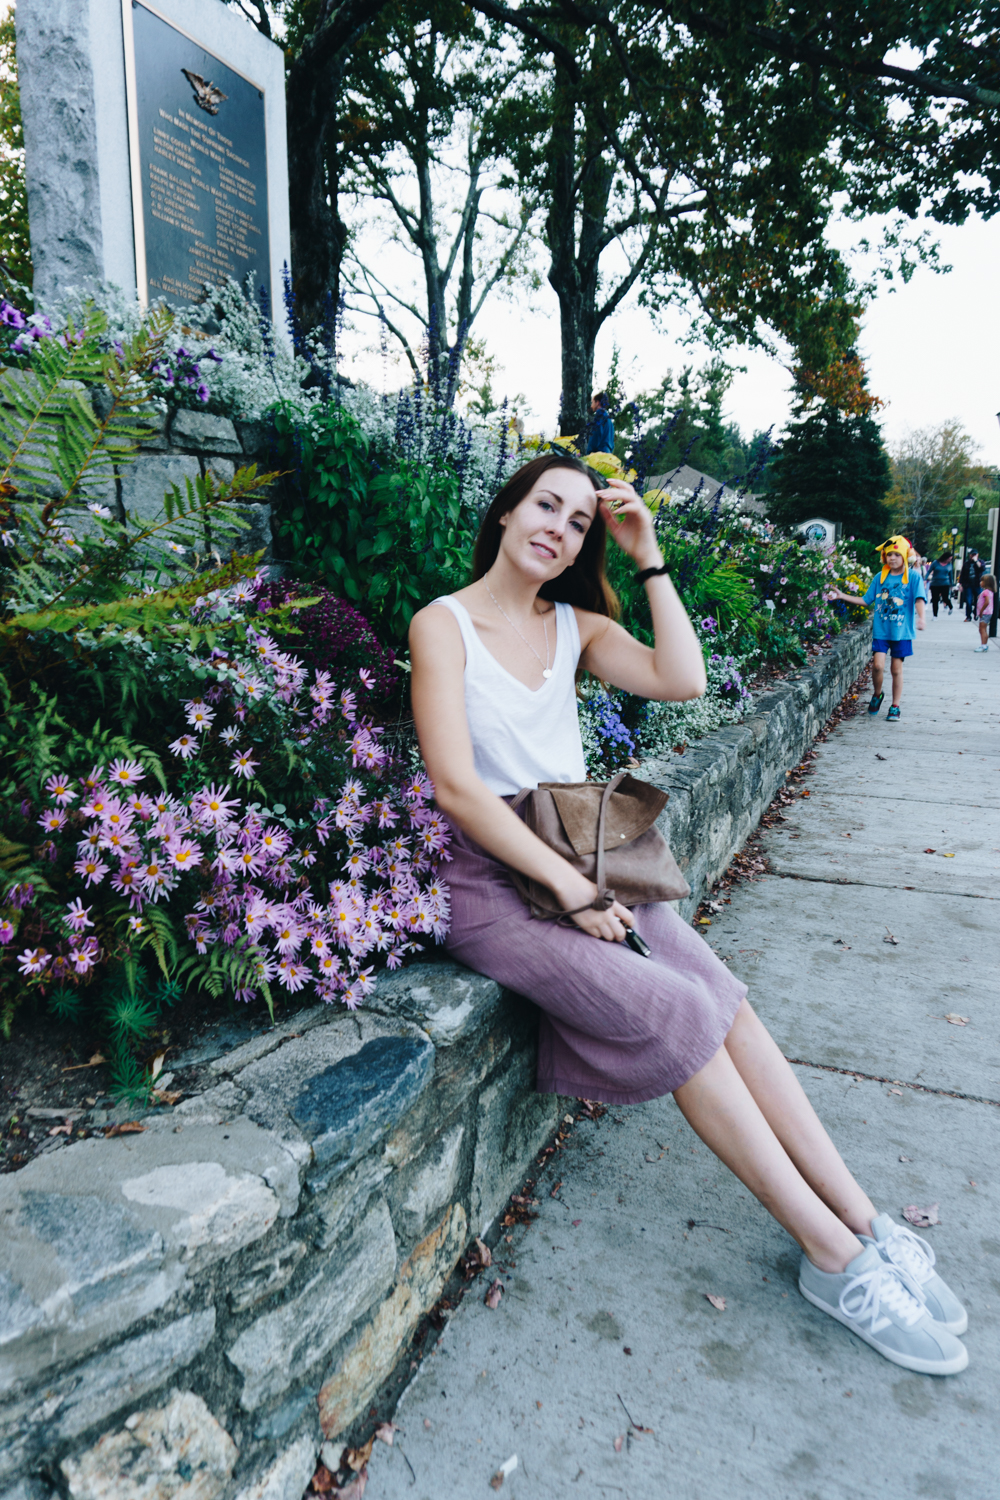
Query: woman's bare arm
[437, 694]
[672, 670]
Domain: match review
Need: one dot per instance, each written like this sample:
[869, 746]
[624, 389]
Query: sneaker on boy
[912, 1255]
[871, 1297]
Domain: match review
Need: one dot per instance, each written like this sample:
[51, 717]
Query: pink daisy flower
[33, 961]
[54, 821]
[6, 932]
[185, 745]
[243, 764]
[59, 789]
[127, 773]
[78, 915]
[91, 868]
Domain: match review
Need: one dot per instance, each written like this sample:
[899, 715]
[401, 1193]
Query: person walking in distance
[895, 593]
[985, 605]
[968, 579]
[493, 690]
[600, 430]
[941, 577]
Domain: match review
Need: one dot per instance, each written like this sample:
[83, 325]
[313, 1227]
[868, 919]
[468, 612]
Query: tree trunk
[312, 91]
[576, 235]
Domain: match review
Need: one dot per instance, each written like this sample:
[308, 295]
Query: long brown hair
[584, 583]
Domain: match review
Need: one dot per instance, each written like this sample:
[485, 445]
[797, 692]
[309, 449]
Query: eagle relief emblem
[207, 96]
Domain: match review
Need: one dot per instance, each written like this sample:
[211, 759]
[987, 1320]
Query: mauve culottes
[614, 1026]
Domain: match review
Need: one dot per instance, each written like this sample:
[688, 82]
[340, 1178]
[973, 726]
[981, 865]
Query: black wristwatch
[650, 573]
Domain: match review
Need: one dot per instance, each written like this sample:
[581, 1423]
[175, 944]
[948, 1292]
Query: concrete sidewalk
[605, 1331]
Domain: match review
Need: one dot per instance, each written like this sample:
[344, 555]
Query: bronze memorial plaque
[199, 164]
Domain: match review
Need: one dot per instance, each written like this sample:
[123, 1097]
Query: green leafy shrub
[387, 539]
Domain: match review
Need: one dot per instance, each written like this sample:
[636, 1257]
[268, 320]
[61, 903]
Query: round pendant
[546, 671]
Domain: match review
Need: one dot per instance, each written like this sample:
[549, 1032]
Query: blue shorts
[898, 649]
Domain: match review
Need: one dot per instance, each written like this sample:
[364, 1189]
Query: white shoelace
[881, 1287]
[910, 1253]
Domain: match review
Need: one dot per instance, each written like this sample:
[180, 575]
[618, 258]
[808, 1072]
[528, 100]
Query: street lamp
[968, 502]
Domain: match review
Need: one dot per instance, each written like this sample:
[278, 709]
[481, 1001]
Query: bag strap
[602, 819]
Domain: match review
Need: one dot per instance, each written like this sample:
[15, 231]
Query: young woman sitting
[493, 688]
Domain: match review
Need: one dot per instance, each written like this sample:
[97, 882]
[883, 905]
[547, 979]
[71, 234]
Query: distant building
[686, 478]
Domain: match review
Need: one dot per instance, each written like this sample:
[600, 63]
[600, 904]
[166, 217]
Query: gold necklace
[546, 669]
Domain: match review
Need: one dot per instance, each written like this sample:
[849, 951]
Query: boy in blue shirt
[895, 594]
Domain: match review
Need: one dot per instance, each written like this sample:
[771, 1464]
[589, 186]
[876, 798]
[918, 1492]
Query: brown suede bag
[608, 832]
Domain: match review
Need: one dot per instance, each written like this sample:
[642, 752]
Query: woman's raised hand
[630, 522]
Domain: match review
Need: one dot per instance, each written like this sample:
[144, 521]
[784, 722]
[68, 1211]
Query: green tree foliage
[833, 464]
[933, 468]
[15, 249]
[429, 105]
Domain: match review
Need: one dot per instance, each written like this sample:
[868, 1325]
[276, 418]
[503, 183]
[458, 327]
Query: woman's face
[543, 535]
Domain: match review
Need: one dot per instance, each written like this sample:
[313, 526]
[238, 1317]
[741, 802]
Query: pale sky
[931, 349]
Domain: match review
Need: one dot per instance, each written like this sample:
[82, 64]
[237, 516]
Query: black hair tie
[651, 573]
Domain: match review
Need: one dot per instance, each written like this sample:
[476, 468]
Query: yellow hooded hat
[895, 544]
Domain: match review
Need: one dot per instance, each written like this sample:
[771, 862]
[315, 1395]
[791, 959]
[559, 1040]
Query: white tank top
[521, 737]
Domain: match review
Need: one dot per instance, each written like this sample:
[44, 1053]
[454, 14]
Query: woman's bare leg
[784, 1105]
[720, 1107]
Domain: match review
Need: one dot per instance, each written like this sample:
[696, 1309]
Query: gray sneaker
[912, 1255]
[871, 1298]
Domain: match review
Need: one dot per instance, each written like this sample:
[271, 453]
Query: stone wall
[192, 1308]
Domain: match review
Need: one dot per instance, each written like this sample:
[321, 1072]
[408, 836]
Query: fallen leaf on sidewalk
[839, 943]
[879, 757]
[947, 856]
[485, 1255]
[356, 1458]
[906, 1158]
[930, 851]
[384, 1432]
[896, 1091]
[890, 939]
[921, 1218]
[618, 1444]
[125, 1127]
[322, 1481]
[156, 1066]
[493, 1295]
[555, 1188]
[577, 1223]
[717, 1302]
[956, 1020]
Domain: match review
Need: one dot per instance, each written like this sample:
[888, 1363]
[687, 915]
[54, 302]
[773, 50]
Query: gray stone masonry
[180, 446]
[223, 1290]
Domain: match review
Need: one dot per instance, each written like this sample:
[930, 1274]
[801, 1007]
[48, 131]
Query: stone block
[513, 1123]
[174, 1452]
[154, 420]
[282, 1345]
[29, 1488]
[370, 1359]
[146, 480]
[447, 1000]
[254, 440]
[105, 1232]
[279, 1423]
[202, 432]
[269, 1041]
[265, 1277]
[417, 1195]
[36, 1423]
[221, 469]
[287, 1478]
[222, 1211]
[343, 1087]
[340, 1197]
